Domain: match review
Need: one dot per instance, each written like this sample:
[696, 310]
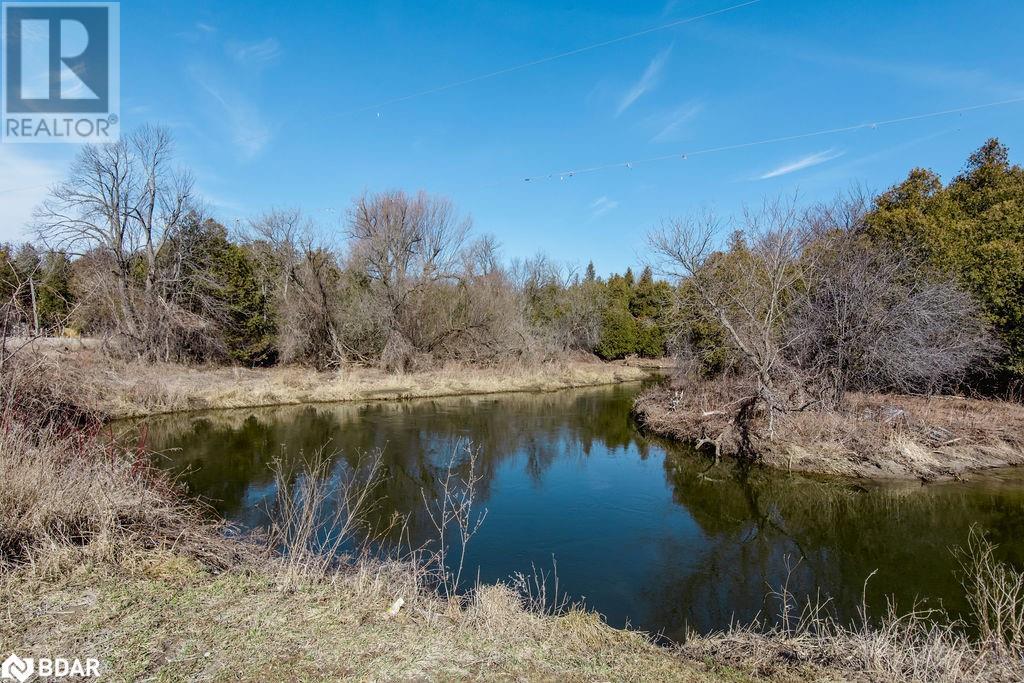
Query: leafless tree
[281, 230]
[308, 279]
[482, 320]
[124, 200]
[165, 194]
[405, 246]
[812, 309]
[748, 291]
[878, 320]
[566, 313]
[410, 288]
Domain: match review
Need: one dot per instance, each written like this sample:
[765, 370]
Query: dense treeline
[897, 292]
[125, 252]
[918, 289]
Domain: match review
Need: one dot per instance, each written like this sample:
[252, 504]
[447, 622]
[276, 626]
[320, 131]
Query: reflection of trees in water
[840, 533]
[718, 566]
[225, 456]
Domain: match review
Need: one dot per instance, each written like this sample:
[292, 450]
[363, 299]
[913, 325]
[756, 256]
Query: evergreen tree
[54, 298]
[973, 229]
[619, 333]
[8, 274]
[250, 329]
[648, 299]
[650, 342]
[620, 291]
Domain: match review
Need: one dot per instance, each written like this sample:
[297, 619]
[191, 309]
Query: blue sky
[290, 104]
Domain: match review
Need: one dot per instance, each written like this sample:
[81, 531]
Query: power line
[22, 189]
[562, 175]
[551, 58]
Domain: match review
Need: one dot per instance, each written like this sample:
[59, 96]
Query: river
[646, 532]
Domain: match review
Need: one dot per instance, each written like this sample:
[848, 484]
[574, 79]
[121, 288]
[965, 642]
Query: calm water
[645, 532]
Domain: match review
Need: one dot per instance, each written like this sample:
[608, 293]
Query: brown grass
[99, 557]
[920, 645]
[872, 436]
[164, 618]
[121, 389]
[66, 499]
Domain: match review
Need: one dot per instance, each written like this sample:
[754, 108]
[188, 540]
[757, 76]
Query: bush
[619, 334]
[972, 229]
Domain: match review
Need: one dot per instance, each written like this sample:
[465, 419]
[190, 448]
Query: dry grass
[67, 494]
[120, 389]
[920, 645]
[163, 618]
[873, 436]
[67, 499]
[101, 558]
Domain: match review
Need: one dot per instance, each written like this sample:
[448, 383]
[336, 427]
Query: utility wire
[562, 175]
[551, 58]
[21, 189]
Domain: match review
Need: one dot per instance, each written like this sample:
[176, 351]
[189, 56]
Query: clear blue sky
[273, 104]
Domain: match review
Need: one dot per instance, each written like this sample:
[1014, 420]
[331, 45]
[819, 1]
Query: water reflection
[644, 531]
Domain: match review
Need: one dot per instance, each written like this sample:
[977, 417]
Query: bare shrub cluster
[321, 513]
[407, 288]
[68, 492]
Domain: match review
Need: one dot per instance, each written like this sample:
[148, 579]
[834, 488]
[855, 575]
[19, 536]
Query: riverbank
[872, 437]
[118, 389]
[101, 556]
[161, 617]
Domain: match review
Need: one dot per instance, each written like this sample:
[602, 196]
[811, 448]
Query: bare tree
[405, 246]
[308, 282]
[812, 310]
[124, 200]
[875, 320]
[566, 314]
[747, 291]
[93, 209]
[165, 195]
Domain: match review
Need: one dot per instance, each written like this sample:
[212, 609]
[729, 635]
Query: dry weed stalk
[318, 512]
[533, 590]
[452, 513]
[995, 591]
[919, 645]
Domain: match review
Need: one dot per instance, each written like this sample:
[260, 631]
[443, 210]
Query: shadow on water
[644, 531]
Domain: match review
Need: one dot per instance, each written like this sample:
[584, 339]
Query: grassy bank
[872, 436]
[165, 618]
[101, 556]
[119, 389]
